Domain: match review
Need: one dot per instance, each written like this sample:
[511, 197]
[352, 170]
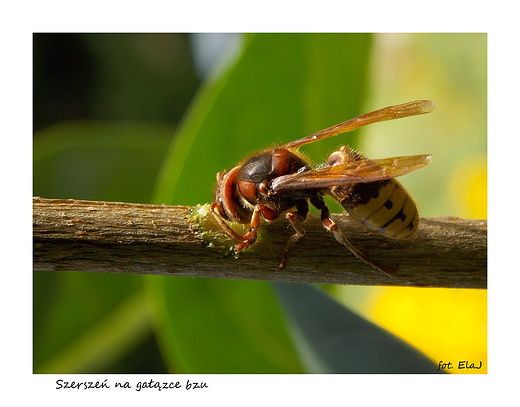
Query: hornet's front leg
[246, 240]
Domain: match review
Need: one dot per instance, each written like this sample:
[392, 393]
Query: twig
[72, 235]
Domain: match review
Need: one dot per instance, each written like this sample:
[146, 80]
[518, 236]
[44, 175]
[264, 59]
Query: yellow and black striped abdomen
[383, 206]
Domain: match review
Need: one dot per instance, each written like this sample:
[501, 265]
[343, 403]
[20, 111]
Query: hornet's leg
[331, 226]
[246, 240]
[295, 218]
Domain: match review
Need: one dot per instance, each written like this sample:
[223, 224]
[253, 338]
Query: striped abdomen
[383, 206]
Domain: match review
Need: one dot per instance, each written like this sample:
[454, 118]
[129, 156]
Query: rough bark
[91, 236]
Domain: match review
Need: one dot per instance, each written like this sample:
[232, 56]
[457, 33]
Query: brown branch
[72, 235]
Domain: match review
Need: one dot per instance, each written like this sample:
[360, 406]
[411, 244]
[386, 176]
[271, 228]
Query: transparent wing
[350, 173]
[387, 113]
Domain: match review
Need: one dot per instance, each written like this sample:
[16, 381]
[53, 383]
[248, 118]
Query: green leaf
[225, 326]
[282, 87]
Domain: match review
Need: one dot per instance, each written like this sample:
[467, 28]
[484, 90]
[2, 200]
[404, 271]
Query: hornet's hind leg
[331, 226]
